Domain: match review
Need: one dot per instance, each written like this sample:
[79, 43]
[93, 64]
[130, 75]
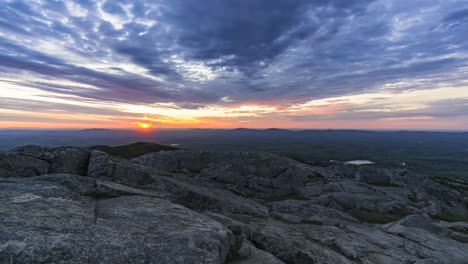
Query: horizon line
[234, 128]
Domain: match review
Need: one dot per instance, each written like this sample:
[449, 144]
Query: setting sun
[144, 125]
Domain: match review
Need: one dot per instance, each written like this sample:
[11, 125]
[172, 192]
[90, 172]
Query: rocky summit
[82, 205]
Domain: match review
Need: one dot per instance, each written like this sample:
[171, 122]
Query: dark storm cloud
[249, 31]
[245, 34]
[195, 53]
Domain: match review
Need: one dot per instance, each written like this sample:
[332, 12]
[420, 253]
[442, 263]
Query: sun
[144, 125]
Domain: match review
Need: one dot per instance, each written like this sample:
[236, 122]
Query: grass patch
[374, 217]
[316, 177]
[413, 199]
[454, 184]
[450, 218]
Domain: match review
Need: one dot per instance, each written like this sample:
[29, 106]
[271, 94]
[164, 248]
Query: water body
[359, 162]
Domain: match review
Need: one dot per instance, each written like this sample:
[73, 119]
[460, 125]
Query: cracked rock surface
[74, 205]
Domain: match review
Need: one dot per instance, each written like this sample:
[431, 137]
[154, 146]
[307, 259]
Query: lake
[359, 162]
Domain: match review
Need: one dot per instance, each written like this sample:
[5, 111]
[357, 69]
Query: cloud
[195, 53]
[114, 8]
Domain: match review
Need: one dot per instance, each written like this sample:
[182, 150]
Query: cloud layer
[217, 63]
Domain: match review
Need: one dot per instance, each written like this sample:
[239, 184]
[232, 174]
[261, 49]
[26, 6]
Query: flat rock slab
[200, 198]
[355, 243]
[46, 222]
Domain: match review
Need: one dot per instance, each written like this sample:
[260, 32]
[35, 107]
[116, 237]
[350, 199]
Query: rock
[456, 226]
[377, 245]
[291, 245]
[312, 190]
[187, 206]
[200, 198]
[439, 198]
[185, 160]
[415, 221]
[424, 197]
[163, 160]
[249, 254]
[30, 161]
[260, 175]
[374, 177]
[422, 239]
[106, 167]
[45, 222]
[160, 232]
[454, 230]
[238, 228]
[354, 243]
[306, 211]
[16, 166]
[111, 189]
[72, 160]
[253, 174]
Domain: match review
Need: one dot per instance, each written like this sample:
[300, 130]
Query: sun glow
[144, 125]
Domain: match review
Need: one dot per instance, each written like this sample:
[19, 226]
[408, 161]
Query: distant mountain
[95, 131]
[244, 130]
[278, 130]
[132, 150]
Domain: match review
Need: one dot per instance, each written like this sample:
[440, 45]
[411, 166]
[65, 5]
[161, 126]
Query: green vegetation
[316, 177]
[132, 150]
[454, 184]
[374, 217]
[450, 217]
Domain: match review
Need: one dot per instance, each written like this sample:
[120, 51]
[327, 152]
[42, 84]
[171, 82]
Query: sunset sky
[383, 64]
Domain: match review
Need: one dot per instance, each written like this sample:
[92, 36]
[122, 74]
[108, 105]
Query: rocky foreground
[76, 205]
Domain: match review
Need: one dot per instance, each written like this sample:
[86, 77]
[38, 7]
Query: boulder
[30, 161]
[185, 160]
[373, 176]
[354, 243]
[291, 244]
[415, 221]
[16, 166]
[261, 175]
[253, 174]
[47, 222]
[106, 167]
[249, 254]
[200, 198]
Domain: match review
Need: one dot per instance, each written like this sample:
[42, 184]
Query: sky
[376, 64]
